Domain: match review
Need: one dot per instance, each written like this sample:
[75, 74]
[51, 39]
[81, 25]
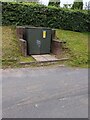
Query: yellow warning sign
[44, 34]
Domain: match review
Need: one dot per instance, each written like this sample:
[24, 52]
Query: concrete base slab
[50, 57]
[46, 57]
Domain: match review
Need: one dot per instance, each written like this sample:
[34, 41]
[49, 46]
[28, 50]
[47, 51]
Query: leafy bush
[40, 15]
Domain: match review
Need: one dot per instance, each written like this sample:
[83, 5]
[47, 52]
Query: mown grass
[77, 44]
[10, 44]
[27, 59]
[10, 47]
[11, 55]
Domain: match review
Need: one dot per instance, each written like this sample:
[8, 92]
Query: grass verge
[77, 44]
[11, 55]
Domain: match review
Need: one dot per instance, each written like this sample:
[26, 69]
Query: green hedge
[40, 15]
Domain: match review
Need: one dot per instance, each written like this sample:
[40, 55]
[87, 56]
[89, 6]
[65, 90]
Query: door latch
[38, 43]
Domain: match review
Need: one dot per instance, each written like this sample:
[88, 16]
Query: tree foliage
[34, 1]
[67, 5]
[78, 4]
[54, 3]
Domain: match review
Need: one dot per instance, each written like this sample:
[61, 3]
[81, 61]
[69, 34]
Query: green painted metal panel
[45, 41]
[33, 40]
[38, 39]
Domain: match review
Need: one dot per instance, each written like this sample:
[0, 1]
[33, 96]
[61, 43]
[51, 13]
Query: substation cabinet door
[34, 40]
[45, 41]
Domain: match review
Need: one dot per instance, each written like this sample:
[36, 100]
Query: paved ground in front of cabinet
[53, 92]
[45, 58]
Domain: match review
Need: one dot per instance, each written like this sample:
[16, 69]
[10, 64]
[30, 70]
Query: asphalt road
[57, 92]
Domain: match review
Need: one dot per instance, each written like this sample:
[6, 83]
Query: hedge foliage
[40, 15]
